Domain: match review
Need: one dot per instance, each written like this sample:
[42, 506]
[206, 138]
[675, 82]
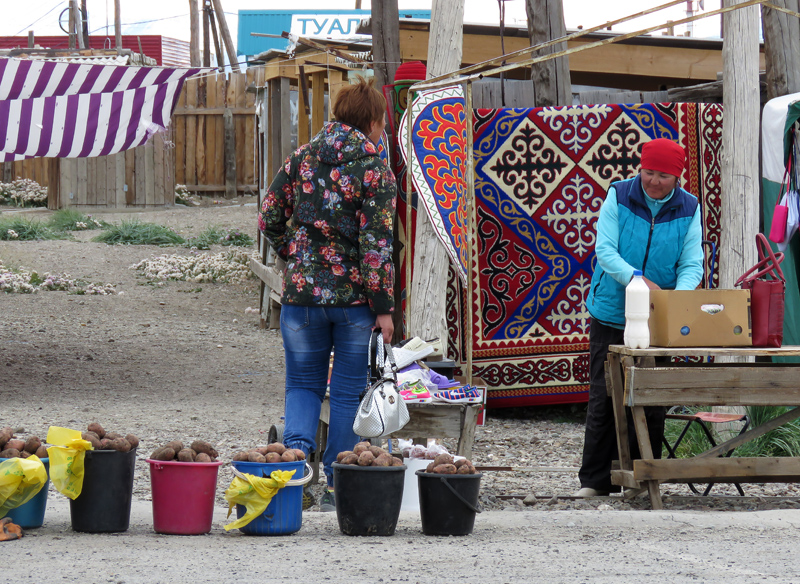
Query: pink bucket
[183, 496]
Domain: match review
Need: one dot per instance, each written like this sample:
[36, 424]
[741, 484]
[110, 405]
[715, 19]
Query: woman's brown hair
[359, 105]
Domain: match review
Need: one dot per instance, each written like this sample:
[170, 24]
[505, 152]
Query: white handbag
[382, 410]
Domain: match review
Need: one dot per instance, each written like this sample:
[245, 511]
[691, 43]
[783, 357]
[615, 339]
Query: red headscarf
[663, 155]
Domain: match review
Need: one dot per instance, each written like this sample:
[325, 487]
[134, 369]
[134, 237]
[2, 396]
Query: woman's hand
[384, 321]
[650, 284]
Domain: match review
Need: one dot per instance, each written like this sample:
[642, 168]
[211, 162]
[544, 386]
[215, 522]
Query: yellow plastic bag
[20, 480]
[66, 460]
[254, 493]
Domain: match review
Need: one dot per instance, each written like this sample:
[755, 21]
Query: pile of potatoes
[365, 454]
[444, 464]
[199, 451]
[11, 447]
[102, 440]
[275, 452]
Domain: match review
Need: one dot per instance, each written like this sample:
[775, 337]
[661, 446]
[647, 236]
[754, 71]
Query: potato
[133, 440]
[120, 445]
[442, 458]
[242, 456]
[6, 434]
[376, 451]
[365, 458]
[92, 437]
[288, 456]
[430, 467]
[262, 450]
[32, 444]
[445, 469]
[105, 444]
[163, 453]
[201, 446]
[9, 453]
[361, 447]
[273, 457]
[397, 461]
[461, 462]
[350, 459]
[255, 456]
[187, 455]
[276, 447]
[24, 454]
[342, 454]
[16, 443]
[176, 445]
[384, 459]
[203, 457]
[41, 452]
[299, 454]
[112, 435]
[97, 429]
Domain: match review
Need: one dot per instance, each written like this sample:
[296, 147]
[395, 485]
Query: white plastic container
[637, 313]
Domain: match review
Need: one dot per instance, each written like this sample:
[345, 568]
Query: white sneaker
[589, 492]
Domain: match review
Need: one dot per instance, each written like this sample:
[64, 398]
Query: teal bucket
[284, 514]
[31, 514]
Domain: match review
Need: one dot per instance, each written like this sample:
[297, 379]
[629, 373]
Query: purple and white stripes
[72, 110]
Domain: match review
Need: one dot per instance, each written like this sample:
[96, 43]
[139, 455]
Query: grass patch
[136, 232]
[74, 220]
[216, 235]
[25, 229]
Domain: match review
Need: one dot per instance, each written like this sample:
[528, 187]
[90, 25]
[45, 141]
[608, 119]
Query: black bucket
[104, 505]
[448, 503]
[368, 498]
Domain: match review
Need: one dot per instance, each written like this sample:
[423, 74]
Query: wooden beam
[385, 41]
[318, 102]
[428, 291]
[272, 279]
[194, 34]
[551, 80]
[718, 470]
[711, 386]
[226, 36]
[217, 47]
[781, 47]
[303, 110]
[230, 153]
[117, 25]
[206, 37]
[625, 479]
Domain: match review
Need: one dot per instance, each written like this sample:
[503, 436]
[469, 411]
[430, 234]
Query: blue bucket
[31, 514]
[284, 514]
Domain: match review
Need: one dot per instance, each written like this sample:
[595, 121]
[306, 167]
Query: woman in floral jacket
[328, 213]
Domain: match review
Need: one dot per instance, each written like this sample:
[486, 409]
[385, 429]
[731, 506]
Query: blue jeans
[309, 333]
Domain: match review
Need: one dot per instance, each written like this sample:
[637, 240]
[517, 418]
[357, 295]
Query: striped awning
[74, 110]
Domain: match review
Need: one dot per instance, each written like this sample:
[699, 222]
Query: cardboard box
[700, 318]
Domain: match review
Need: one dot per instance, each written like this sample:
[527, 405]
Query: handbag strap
[381, 359]
[768, 264]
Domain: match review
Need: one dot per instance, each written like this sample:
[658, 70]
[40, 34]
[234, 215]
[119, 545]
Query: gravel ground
[187, 361]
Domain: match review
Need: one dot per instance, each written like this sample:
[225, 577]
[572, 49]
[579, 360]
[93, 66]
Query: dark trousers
[600, 442]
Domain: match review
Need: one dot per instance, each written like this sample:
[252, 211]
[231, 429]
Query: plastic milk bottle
[637, 312]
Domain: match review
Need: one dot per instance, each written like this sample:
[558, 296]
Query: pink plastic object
[183, 496]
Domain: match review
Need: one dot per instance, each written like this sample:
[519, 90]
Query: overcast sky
[170, 17]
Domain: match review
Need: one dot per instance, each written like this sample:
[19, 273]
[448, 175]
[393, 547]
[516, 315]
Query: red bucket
[183, 496]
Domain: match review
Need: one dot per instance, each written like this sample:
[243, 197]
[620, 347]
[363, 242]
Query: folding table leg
[646, 451]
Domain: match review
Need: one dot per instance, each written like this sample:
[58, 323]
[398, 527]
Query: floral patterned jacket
[328, 213]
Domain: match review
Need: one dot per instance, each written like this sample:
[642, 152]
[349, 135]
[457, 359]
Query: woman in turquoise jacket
[647, 223]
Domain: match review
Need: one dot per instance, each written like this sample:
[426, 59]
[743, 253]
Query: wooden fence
[215, 133]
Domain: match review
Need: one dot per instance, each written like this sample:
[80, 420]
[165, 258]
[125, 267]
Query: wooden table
[427, 420]
[634, 380]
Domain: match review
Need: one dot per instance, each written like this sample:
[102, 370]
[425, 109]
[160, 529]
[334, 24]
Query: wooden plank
[614, 385]
[191, 135]
[212, 91]
[735, 469]
[141, 192]
[230, 155]
[90, 196]
[624, 478]
[111, 180]
[159, 196]
[746, 386]
[303, 109]
[318, 102]
[82, 179]
[66, 186]
[240, 97]
[785, 351]
[646, 450]
[180, 137]
[250, 155]
[729, 445]
[200, 151]
[120, 176]
[781, 49]
[222, 87]
[130, 177]
[336, 82]
[149, 175]
[53, 183]
[469, 418]
[221, 188]
[270, 277]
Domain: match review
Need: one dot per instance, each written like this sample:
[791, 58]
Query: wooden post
[739, 172]
[385, 42]
[194, 34]
[83, 29]
[318, 101]
[226, 36]
[31, 39]
[551, 81]
[72, 19]
[206, 37]
[429, 287]
[117, 25]
[781, 48]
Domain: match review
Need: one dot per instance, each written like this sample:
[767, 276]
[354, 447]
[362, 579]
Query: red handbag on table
[767, 293]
